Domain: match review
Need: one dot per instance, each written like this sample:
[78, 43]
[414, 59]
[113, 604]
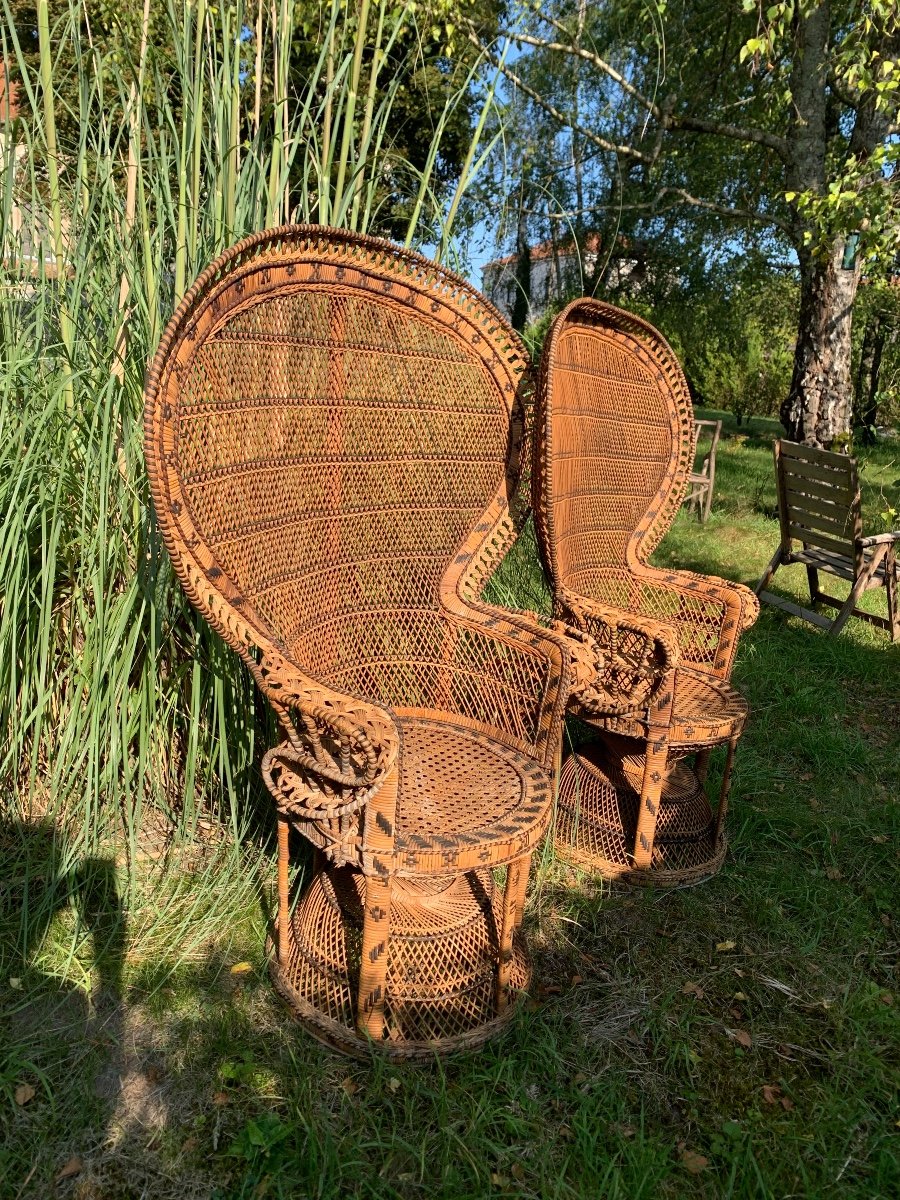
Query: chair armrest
[586, 660]
[338, 751]
[529, 669]
[707, 613]
[879, 539]
[639, 655]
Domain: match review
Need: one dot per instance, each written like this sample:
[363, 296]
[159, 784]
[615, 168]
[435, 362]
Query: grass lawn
[737, 1039]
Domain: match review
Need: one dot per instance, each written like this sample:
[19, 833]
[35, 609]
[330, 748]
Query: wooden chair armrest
[879, 539]
[338, 748]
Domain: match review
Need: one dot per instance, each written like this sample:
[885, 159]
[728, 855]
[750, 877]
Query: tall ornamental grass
[120, 710]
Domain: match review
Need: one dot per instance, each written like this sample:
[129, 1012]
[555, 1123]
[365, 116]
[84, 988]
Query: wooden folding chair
[701, 482]
[819, 506]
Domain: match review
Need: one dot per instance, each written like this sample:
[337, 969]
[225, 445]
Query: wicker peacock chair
[614, 446]
[332, 435]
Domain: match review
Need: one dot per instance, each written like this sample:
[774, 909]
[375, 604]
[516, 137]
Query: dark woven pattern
[597, 815]
[333, 435]
[613, 451]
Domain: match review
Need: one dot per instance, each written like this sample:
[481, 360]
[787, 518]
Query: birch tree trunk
[817, 409]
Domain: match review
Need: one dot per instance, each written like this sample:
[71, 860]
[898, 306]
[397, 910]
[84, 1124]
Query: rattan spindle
[333, 431]
[614, 445]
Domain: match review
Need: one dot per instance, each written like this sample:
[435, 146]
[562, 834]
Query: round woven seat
[464, 799]
[597, 814]
[705, 712]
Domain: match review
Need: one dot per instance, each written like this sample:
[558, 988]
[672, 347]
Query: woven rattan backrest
[331, 441]
[615, 442]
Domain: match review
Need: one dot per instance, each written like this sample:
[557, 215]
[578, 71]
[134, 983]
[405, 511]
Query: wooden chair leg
[707, 503]
[373, 967]
[812, 576]
[284, 907]
[725, 789]
[770, 570]
[656, 759]
[513, 912]
[861, 585]
[891, 587]
[655, 765]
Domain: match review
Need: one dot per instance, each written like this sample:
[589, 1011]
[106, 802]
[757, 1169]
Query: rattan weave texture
[614, 445]
[333, 436]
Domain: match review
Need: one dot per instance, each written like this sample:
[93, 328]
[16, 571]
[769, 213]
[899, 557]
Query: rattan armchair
[614, 446]
[332, 435]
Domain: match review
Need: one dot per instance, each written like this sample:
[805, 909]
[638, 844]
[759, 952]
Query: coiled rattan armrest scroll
[639, 655]
[338, 748]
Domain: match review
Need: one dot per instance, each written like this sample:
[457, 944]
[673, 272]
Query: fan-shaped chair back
[328, 432]
[615, 446]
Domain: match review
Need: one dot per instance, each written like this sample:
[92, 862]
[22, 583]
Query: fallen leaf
[805, 776]
[693, 1162]
[24, 1093]
[693, 989]
[393, 1083]
[576, 979]
[878, 838]
[726, 946]
[742, 1037]
[786, 1103]
[498, 1180]
[16, 984]
[771, 1092]
[518, 1172]
[886, 998]
[241, 968]
[190, 1145]
[566, 1133]
[220, 1098]
[739, 972]
[834, 873]
[72, 1167]
[350, 1086]
[739, 996]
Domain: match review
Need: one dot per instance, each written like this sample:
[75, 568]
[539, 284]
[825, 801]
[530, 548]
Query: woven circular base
[442, 966]
[597, 807]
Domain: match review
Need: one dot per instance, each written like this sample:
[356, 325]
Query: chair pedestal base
[596, 819]
[442, 971]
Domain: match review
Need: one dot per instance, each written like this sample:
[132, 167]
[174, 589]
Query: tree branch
[595, 60]
[564, 118]
[737, 133]
[681, 196]
[669, 121]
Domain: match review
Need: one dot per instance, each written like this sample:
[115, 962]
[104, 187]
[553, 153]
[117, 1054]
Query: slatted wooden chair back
[616, 447]
[819, 503]
[820, 507]
[332, 434]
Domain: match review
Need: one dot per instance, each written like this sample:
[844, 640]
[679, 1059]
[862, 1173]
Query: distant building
[557, 273]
